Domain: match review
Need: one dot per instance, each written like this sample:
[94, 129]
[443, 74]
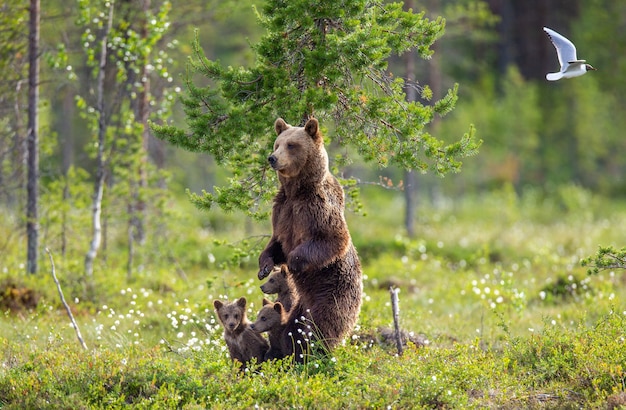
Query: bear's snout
[272, 160]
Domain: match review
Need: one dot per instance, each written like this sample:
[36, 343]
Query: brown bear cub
[310, 235]
[280, 283]
[272, 318]
[243, 343]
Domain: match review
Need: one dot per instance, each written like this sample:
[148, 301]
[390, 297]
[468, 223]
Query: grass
[492, 283]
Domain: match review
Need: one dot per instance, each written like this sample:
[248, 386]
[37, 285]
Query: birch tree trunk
[32, 185]
[96, 238]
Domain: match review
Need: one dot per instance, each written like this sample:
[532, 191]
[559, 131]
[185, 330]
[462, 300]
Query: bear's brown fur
[272, 318]
[310, 235]
[243, 343]
[279, 282]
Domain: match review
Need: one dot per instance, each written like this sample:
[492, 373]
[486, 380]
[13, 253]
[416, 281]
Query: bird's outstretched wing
[565, 49]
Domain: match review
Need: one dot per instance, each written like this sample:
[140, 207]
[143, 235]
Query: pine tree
[326, 59]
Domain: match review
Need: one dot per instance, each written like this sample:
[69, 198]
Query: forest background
[538, 135]
[550, 157]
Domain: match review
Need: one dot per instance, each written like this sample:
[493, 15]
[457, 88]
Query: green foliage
[510, 122]
[330, 61]
[14, 19]
[606, 258]
[136, 74]
[565, 288]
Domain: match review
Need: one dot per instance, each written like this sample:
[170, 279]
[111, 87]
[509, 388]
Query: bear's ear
[266, 301]
[241, 302]
[278, 307]
[280, 125]
[218, 304]
[311, 127]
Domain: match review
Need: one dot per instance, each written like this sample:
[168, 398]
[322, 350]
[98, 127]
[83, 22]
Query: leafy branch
[606, 258]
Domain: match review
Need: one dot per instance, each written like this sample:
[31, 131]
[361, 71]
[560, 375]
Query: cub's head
[231, 314]
[277, 281]
[297, 149]
[270, 317]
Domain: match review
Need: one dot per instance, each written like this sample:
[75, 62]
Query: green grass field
[491, 287]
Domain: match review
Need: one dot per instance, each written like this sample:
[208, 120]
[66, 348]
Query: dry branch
[67, 308]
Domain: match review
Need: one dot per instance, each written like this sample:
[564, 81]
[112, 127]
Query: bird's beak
[590, 67]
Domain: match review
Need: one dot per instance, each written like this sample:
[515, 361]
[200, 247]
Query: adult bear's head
[299, 151]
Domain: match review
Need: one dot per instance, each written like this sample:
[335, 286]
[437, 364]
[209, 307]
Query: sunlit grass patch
[492, 283]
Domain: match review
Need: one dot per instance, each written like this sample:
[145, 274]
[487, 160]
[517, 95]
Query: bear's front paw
[265, 270]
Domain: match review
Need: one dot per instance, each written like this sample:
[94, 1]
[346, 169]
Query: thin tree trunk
[20, 153]
[143, 110]
[32, 186]
[410, 202]
[138, 183]
[67, 160]
[100, 172]
[409, 175]
[131, 243]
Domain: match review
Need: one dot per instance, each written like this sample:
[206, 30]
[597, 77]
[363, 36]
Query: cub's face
[231, 314]
[294, 147]
[269, 317]
[276, 282]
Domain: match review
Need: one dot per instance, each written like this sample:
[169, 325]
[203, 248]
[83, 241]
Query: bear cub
[243, 343]
[272, 318]
[280, 283]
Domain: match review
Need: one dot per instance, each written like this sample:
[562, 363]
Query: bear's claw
[264, 272]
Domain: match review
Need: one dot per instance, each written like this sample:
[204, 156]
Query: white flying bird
[571, 66]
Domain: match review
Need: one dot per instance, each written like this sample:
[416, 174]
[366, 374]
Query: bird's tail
[554, 76]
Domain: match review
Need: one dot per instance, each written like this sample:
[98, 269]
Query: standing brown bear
[310, 235]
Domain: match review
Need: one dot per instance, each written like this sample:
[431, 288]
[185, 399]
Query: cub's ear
[278, 307]
[241, 302]
[217, 304]
[266, 301]
[283, 269]
[280, 125]
[312, 127]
